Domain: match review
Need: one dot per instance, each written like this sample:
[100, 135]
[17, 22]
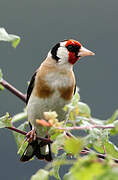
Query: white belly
[36, 106]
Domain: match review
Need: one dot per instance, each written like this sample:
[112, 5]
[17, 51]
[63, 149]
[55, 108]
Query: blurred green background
[41, 24]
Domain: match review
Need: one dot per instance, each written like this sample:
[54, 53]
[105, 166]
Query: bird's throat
[72, 58]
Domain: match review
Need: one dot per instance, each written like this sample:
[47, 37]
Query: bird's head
[69, 52]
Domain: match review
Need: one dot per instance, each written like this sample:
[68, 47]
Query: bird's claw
[31, 135]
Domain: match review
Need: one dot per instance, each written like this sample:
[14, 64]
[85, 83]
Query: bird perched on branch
[51, 88]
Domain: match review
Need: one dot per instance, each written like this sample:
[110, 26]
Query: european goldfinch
[51, 88]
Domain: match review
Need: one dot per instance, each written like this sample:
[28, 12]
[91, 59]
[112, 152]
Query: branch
[86, 127]
[25, 133]
[85, 151]
[102, 156]
[13, 90]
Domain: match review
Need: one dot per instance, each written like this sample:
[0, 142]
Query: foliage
[4, 36]
[72, 146]
[5, 121]
[81, 153]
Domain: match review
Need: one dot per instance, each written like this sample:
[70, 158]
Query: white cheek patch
[62, 44]
[62, 53]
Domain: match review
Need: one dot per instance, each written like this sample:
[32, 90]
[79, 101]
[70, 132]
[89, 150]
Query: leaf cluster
[69, 148]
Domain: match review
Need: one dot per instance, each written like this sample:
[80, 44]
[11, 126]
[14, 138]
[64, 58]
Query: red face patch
[73, 42]
[72, 58]
[73, 50]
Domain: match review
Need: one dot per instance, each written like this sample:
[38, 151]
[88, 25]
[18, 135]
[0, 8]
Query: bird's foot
[31, 135]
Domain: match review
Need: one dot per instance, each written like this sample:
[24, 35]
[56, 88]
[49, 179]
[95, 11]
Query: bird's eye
[72, 48]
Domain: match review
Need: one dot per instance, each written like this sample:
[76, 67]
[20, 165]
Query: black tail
[35, 149]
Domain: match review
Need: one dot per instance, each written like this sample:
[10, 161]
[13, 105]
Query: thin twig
[13, 90]
[102, 156]
[25, 133]
[17, 130]
[84, 152]
[86, 127]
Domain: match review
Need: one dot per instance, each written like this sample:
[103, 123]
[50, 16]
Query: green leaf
[90, 168]
[20, 116]
[58, 161]
[75, 99]
[1, 88]
[20, 138]
[116, 125]
[114, 130]
[72, 116]
[84, 110]
[98, 148]
[22, 147]
[87, 168]
[68, 176]
[97, 139]
[59, 142]
[55, 165]
[111, 149]
[4, 36]
[5, 121]
[15, 41]
[109, 174]
[77, 108]
[74, 103]
[112, 118]
[95, 136]
[53, 135]
[55, 172]
[97, 121]
[40, 175]
[73, 145]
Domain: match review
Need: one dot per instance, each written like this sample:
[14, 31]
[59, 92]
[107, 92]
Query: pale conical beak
[85, 52]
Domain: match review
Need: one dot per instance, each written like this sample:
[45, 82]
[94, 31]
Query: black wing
[30, 87]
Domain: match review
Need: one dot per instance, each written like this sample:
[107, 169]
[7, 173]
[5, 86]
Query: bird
[51, 87]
